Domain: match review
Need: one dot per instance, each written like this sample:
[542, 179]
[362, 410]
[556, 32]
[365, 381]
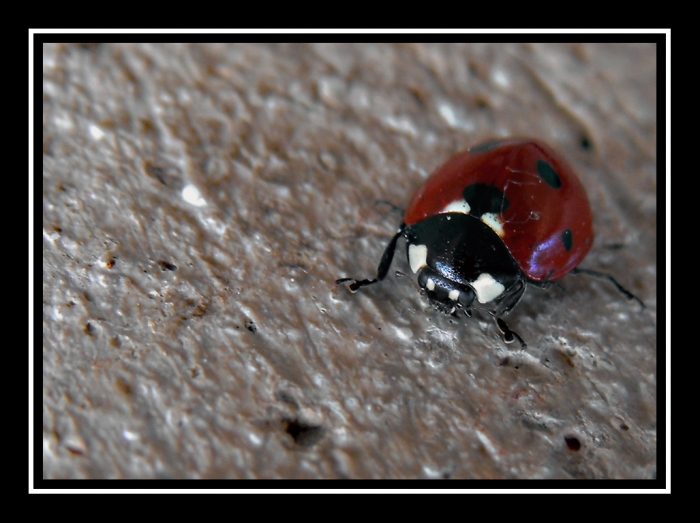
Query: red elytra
[545, 199]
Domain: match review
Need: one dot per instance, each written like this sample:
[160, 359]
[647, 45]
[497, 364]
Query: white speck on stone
[404, 334]
[51, 236]
[283, 191]
[500, 78]
[63, 121]
[319, 380]
[431, 472]
[453, 119]
[96, 132]
[216, 226]
[331, 91]
[486, 442]
[401, 124]
[192, 196]
[57, 314]
[447, 114]
[254, 439]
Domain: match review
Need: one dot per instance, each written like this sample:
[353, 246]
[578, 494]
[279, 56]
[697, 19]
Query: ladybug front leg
[383, 268]
[509, 335]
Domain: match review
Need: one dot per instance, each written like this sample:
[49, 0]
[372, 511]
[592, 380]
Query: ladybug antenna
[604, 276]
[509, 335]
[393, 207]
[400, 274]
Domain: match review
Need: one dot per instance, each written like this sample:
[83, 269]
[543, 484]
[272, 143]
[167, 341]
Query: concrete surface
[200, 200]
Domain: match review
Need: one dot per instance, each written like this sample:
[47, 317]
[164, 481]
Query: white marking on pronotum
[494, 222]
[457, 206]
[454, 295]
[417, 257]
[430, 284]
[487, 288]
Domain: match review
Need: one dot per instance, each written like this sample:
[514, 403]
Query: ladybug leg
[509, 335]
[511, 299]
[383, 268]
[604, 276]
[546, 283]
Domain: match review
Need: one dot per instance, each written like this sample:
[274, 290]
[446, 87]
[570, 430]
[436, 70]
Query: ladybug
[490, 222]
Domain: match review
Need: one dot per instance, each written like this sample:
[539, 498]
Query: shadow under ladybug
[491, 221]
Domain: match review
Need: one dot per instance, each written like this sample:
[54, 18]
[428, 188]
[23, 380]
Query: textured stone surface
[200, 200]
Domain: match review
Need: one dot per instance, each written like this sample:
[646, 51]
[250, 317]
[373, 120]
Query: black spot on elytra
[486, 146]
[303, 435]
[548, 174]
[484, 198]
[567, 238]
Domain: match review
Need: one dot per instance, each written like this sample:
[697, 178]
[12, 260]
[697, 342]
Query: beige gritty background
[200, 200]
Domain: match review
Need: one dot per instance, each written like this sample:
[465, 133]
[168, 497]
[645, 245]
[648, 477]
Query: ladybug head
[445, 295]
